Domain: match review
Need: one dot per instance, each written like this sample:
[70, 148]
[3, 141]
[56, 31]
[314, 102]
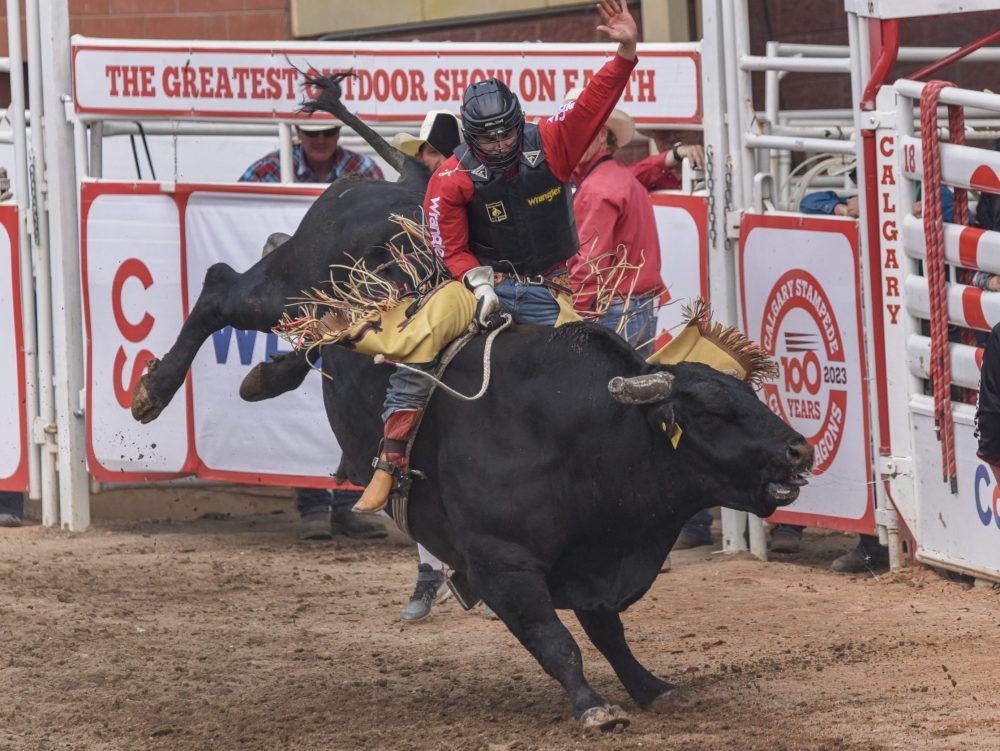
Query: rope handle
[487, 366]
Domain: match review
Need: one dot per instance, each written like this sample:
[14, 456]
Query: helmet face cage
[493, 123]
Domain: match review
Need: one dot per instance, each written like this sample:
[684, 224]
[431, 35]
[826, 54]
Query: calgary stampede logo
[800, 331]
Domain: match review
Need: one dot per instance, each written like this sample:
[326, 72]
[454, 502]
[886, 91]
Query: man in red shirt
[616, 224]
[662, 171]
[500, 215]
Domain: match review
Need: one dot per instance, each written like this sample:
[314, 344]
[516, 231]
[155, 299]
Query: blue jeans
[640, 326]
[526, 303]
[320, 501]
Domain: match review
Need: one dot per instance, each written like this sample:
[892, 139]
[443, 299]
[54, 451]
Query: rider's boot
[392, 461]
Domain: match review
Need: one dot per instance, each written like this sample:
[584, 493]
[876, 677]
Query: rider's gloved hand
[479, 281]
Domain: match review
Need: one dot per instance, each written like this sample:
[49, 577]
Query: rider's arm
[568, 133]
[448, 193]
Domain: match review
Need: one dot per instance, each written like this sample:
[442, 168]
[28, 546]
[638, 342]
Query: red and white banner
[393, 82]
[682, 227]
[960, 530]
[13, 415]
[800, 294]
[144, 257]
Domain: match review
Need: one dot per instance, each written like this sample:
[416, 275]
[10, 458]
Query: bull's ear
[663, 420]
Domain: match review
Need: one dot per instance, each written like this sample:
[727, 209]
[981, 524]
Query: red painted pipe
[886, 59]
[958, 54]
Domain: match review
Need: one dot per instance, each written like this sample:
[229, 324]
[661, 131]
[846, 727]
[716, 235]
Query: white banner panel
[13, 416]
[801, 302]
[393, 82]
[681, 224]
[961, 531]
[286, 437]
[131, 258]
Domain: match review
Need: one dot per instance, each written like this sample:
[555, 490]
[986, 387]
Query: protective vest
[525, 224]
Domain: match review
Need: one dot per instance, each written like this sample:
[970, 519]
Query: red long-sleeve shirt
[565, 137]
[613, 208]
[654, 174]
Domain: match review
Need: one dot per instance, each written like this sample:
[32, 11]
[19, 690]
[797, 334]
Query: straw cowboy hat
[618, 123]
[439, 129]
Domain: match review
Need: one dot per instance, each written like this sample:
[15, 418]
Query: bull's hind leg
[521, 599]
[227, 299]
[282, 374]
[608, 635]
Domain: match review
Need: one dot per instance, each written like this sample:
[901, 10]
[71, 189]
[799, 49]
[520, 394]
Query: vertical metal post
[721, 260]
[45, 428]
[20, 169]
[74, 488]
[772, 105]
[285, 153]
[97, 150]
[744, 103]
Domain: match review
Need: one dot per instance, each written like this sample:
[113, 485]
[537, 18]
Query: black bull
[549, 492]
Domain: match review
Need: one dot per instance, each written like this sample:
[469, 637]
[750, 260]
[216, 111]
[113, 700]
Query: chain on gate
[34, 200]
[710, 187]
[937, 283]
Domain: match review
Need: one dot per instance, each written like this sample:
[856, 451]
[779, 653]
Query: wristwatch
[677, 155]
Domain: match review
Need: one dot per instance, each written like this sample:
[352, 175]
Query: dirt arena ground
[230, 633]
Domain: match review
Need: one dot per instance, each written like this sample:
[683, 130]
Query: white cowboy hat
[315, 125]
[619, 123]
[439, 129]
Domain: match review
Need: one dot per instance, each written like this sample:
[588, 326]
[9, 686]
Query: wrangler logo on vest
[496, 211]
[546, 196]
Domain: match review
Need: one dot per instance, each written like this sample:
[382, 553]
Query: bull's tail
[329, 100]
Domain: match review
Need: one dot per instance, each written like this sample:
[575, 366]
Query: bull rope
[487, 363]
[937, 282]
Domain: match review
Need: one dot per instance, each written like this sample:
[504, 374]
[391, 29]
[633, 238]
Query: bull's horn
[644, 389]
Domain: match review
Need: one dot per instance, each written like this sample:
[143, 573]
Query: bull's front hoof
[145, 406]
[669, 701]
[252, 389]
[604, 719]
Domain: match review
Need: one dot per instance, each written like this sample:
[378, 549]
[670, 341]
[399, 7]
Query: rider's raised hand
[618, 24]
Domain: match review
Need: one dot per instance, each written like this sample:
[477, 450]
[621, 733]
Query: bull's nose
[799, 453]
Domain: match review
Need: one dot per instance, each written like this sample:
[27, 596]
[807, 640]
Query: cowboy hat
[618, 122]
[315, 125]
[439, 129]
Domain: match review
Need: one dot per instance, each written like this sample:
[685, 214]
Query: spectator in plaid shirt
[317, 158]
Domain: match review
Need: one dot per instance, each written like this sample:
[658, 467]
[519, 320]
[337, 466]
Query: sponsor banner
[801, 301]
[288, 436]
[392, 81]
[133, 308]
[682, 225]
[144, 257]
[960, 530]
[13, 414]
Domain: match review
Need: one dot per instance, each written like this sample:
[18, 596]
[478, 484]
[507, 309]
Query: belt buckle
[538, 279]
